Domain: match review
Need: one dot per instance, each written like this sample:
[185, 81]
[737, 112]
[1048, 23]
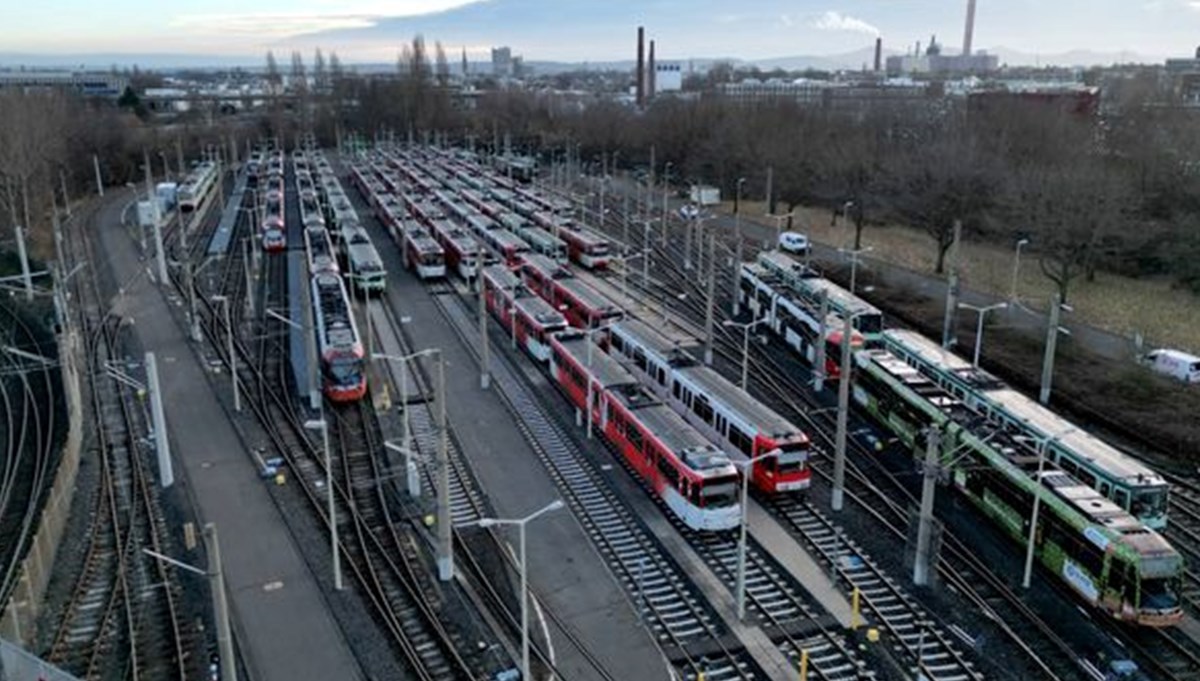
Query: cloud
[274, 25]
[836, 21]
[785, 20]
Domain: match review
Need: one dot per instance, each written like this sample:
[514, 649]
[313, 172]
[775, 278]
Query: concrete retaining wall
[24, 606]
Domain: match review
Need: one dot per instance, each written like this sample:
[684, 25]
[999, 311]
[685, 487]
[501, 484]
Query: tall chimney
[969, 33]
[641, 67]
[651, 75]
[878, 55]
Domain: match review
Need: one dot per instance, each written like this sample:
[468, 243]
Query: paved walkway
[278, 607]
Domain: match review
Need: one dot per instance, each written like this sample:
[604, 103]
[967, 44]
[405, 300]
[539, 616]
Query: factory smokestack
[651, 75]
[969, 33]
[878, 55]
[641, 67]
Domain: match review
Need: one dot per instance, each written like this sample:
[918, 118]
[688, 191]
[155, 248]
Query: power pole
[819, 362]
[712, 288]
[839, 460]
[26, 277]
[1051, 347]
[930, 470]
[216, 585]
[99, 180]
[162, 443]
[485, 376]
[951, 289]
[770, 188]
[445, 557]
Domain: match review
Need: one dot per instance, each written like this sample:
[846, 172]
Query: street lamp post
[1052, 332]
[233, 371]
[745, 343]
[666, 188]
[710, 298]
[779, 226]
[521, 523]
[1013, 296]
[982, 311]
[737, 236]
[747, 467]
[445, 549]
[322, 425]
[854, 255]
[1043, 445]
[839, 460]
[216, 587]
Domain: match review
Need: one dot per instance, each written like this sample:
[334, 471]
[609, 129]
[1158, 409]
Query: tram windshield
[1149, 503]
[869, 323]
[720, 494]
[346, 370]
[1159, 594]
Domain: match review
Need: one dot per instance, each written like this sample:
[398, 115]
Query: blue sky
[576, 30]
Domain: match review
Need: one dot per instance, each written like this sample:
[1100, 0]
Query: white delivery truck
[1174, 363]
[147, 212]
[704, 195]
[168, 194]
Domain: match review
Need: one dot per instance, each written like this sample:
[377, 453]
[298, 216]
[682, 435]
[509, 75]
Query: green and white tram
[1104, 554]
[1118, 477]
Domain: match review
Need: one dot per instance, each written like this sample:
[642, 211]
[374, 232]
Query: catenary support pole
[929, 472]
[839, 461]
[162, 443]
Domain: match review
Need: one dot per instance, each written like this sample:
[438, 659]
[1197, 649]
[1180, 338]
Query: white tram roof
[364, 257]
[543, 238]
[542, 312]
[583, 235]
[1041, 420]
[704, 380]
[798, 277]
[502, 277]
[692, 448]
[423, 242]
[503, 237]
[548, 266]
[608, 371]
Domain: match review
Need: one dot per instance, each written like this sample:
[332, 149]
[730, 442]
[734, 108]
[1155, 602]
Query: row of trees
[1114, 191]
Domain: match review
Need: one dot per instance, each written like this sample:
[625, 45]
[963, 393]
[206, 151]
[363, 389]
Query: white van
[1174, 363]
[794, 242]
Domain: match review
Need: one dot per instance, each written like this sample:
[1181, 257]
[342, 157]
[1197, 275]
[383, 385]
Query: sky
[592, 30]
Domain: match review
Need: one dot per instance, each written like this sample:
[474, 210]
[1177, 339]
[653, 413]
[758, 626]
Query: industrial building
[830, 95]
[1184, 79]
[89, 84]
[933, 62]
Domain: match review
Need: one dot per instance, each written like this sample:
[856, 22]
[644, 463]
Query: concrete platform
[278, 607]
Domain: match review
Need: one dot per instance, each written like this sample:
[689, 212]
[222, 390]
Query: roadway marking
[273, 586]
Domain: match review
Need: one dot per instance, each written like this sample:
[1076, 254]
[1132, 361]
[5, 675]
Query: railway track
[263, 375]
[674, 610]
[31, 394]
[124, 614]
[937, 648]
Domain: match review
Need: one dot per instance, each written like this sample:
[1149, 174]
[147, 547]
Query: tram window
[676, 390]
[1121, 498]
[741, 440]
[635, 438]
[639, 358]
[662, 376]
[1068, 466]
[1105, 489]
[1087, 478]
[702, 408]
[668, 469]
[618, 343]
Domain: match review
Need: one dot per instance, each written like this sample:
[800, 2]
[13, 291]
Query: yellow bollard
[804, 664]
[855, 598]
[280, 479]
[873, 635]
[700, 676]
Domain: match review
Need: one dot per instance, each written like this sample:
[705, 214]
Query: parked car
[794, 242]
[1174, 363]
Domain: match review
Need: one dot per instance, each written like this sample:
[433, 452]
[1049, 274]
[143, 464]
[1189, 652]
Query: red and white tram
[535, 319]
[463, 252]
[342, 375]
[695, 480]
[507, 246]
[423, 254]
[274, 230]
[732, 419]
[795, 323]
[586, 247]
[582, 305]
